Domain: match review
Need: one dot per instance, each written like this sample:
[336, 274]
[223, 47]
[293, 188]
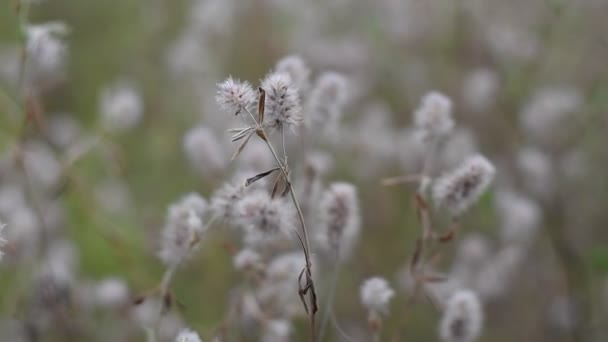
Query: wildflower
[549, 115]
[520, 217]
[3, 240]
[183, 228]
[225, 199]
[297, 69]
[480, 89]
[325, 105]
[283, 108]
[463, 318]
[111, 292]
[537, 171]
[339, 221]
[45, 50]
[376, 294]
[42, 167]
[235, 97]
[277, 330]
[204, 151]
[121, 106]
[188, 335]
[434, 116]
[246, 259]
[265, 215]
[462, 187]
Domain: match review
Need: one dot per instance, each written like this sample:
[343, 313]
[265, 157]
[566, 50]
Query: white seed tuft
[376, 294]
[434, 116]
[235, 97]
[188, 335]
[462, 187]
[283, 110]
[463, 318]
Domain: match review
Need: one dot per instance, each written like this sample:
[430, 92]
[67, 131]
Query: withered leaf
[261, 104]
[241, 147]
[260, 176]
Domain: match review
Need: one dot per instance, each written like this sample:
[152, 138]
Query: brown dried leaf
[241, 147]
[261, 104]
[260, 176]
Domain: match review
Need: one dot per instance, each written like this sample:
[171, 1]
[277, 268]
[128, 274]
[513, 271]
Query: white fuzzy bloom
[434, 116]
[280, 284]
[537, 171]
[282, 108]
[188, 335]
[183, 228]
[480, 89]
[463, 318]
[277, 330]
[297, 69]
[339, 219]
[246, 259]
[204, 151]
[519, 216]
[225, 199]
[498, 273]
[45, 50]
[43, 168]
[265, 215]
[461, 188]
[112, 292]
[121, 106]
[550, 114]
[63, 130]
[376, 294]
[326, 102]
[3, 240]
[235, 97]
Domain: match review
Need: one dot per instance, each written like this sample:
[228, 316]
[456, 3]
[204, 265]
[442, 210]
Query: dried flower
[462, 187]
[480, 89]
[283, 108]
[297, 69]
[265, 215]
[246, 259]
[183, 228]
[204, 151]
[45, 50]
[519, 216]
[339, 218]
[235, 97]
[434, 116]
[225, 199]
[277, 330]
[121, 106]
[376, 294]
[325, 105]
[463, 318]
[188, 335]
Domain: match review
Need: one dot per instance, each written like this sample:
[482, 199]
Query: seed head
[183, 228]
[325, 105]
[121, 106]
[235, 97]
[434, 116]
[264, 215]
[462, 187]
[463, 318]
[283, 108]
[339, 218]
[297, 69]
[376, 294]
[188, 335]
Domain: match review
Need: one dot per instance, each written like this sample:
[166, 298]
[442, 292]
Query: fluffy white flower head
[434, 116]
[459, 189]
[282, 110]
[376, 294]
[339, 221]
[235, 97]
[188, 335]
[121, 106]
[463, 318]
